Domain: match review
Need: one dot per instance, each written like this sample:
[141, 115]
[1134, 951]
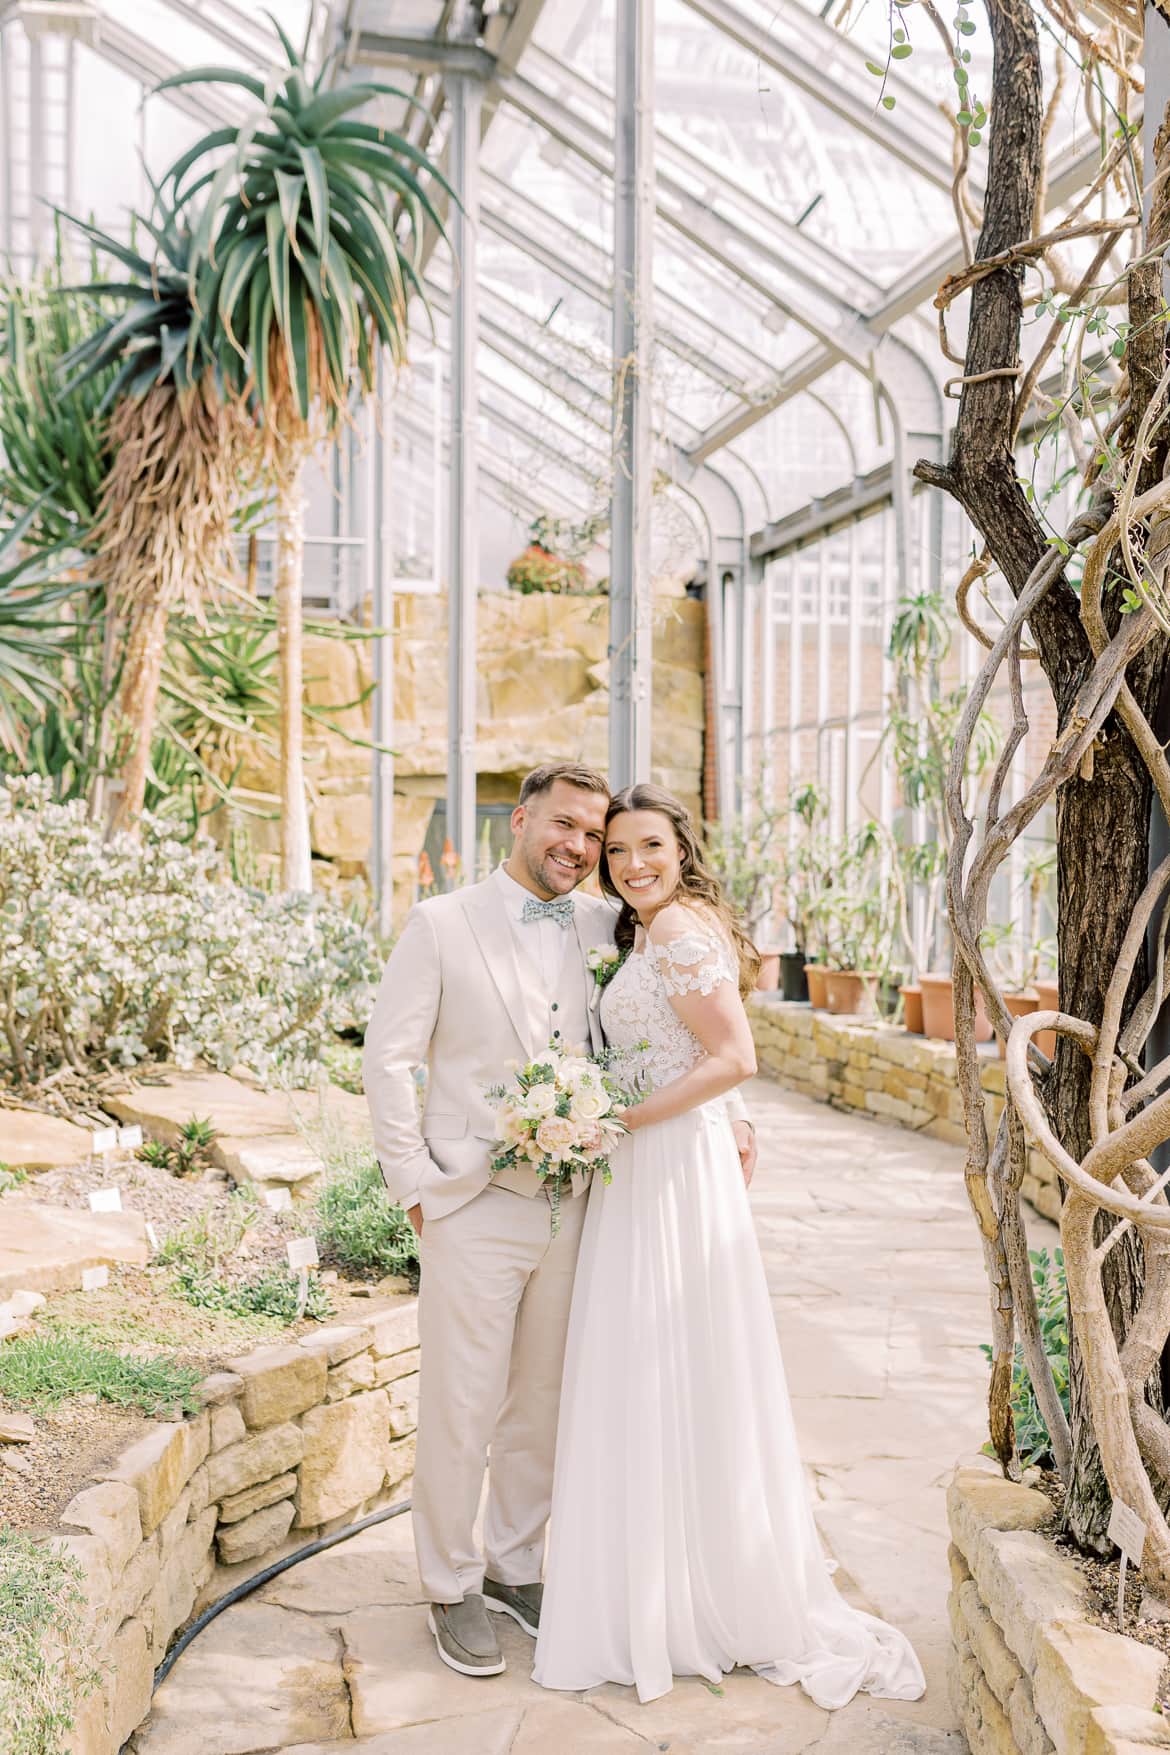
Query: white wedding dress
[681, 1537]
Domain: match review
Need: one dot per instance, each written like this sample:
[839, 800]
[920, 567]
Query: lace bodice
[635, 1006]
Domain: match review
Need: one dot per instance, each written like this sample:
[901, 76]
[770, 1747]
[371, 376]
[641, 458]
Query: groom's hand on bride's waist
[414, 1214]
[745, 1139]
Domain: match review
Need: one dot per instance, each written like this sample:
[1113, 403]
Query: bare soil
[1101, 1579]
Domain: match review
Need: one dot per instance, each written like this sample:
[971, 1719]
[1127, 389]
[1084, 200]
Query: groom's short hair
[544, 778]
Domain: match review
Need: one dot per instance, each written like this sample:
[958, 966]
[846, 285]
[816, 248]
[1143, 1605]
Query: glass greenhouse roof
[801, 228]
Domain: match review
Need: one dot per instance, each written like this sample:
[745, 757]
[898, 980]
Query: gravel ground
[167, 1201]
[73, 1444]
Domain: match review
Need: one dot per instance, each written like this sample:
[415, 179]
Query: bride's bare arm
[703, 989]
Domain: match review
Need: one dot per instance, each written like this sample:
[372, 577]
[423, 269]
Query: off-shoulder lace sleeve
[696, 961]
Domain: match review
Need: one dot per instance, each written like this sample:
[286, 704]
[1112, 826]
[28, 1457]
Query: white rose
[540, 1100]
[589, 1104]
[578, 1071]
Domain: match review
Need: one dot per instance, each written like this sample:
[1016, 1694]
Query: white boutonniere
[605, 961]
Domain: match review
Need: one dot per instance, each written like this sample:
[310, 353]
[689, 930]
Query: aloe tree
[178, 446]
[303, 262]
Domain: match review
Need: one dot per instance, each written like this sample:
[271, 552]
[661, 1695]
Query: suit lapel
[586, 940]
[487, 913]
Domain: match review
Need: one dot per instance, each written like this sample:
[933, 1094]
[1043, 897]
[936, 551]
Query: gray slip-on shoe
[521, 1601]
[465, 1638]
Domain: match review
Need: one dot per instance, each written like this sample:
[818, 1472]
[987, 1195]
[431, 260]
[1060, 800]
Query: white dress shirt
[541, 943]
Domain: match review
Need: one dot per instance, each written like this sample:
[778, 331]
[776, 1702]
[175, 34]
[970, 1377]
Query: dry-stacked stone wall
[879, 1069]
[1030, 1674]
[291, 1443]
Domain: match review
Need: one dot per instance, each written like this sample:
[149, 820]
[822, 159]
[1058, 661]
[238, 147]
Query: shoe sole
[498, 1608]
[454, 1664]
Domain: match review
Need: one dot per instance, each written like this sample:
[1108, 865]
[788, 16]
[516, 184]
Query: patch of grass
[206, 1241]
[359, 1229]
[10, 1178]
[45, 1666]
[44, 1368]
[167, 1324]
[273, 1293]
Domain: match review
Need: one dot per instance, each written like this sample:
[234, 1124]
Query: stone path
[874, 1266]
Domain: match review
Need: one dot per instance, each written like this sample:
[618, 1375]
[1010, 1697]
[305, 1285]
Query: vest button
[555, 1006]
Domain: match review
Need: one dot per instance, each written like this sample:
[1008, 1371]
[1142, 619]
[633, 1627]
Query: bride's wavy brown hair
[697, 882]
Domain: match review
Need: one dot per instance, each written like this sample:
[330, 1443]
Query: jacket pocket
[441, 1126]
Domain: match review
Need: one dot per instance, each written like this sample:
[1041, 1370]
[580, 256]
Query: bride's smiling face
[643, 858]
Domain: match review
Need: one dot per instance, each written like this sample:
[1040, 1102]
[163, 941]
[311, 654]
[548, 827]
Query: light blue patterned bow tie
[560, 910]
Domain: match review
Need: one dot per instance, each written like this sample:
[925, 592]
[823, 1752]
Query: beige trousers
[493, 1315]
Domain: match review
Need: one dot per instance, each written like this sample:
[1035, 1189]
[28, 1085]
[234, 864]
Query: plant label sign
[279, 1199]
[94, 1278]
[105, 1200]
[302, 1253]
[1128, 1531]
[103, 1139]
[130, 1137]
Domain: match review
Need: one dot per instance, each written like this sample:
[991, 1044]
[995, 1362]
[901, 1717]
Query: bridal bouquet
[557, 1117]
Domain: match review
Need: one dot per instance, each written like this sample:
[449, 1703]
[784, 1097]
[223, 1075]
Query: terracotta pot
[768, 979]
[912, 1009]
[793, 981]
[938, 1010]
[849, 993]
[1019, 1005]
[814, 974]
[1047, 1000]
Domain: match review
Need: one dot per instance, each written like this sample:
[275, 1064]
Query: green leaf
[889, 101]
[974, 137]
[901, 51]
[297, 343]
[872, 67]
[318, 186]
[290, 191]
[214, 76]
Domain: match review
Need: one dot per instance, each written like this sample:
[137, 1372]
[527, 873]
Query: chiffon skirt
[681, 1538]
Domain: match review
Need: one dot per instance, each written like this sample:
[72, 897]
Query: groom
[483, 975]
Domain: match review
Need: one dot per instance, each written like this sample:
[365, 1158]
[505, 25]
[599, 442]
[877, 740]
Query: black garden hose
[248, 1585]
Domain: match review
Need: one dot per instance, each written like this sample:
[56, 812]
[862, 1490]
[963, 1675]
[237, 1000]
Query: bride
[682, 1542]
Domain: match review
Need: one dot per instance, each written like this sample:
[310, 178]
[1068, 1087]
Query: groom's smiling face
[558, 838]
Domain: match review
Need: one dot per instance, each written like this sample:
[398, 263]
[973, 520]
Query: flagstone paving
[874, 1266]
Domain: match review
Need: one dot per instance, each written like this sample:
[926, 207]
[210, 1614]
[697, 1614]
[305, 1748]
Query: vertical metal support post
[795, 680]
[751, 614]
[630, 613]
[889, 588]
[856, 611]
[38, 182]
[380, 570]
[768, 687]
[466, 99]
[824, 762]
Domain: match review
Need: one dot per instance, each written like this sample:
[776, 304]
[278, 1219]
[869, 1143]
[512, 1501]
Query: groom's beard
[555, 880]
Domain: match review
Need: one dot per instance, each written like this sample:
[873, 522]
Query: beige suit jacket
[453, 997]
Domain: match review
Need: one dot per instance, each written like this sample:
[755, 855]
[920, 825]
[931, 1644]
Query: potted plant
[807, 874]
[553, 560]
[745, 855]
[858, 926]
[922, 721]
